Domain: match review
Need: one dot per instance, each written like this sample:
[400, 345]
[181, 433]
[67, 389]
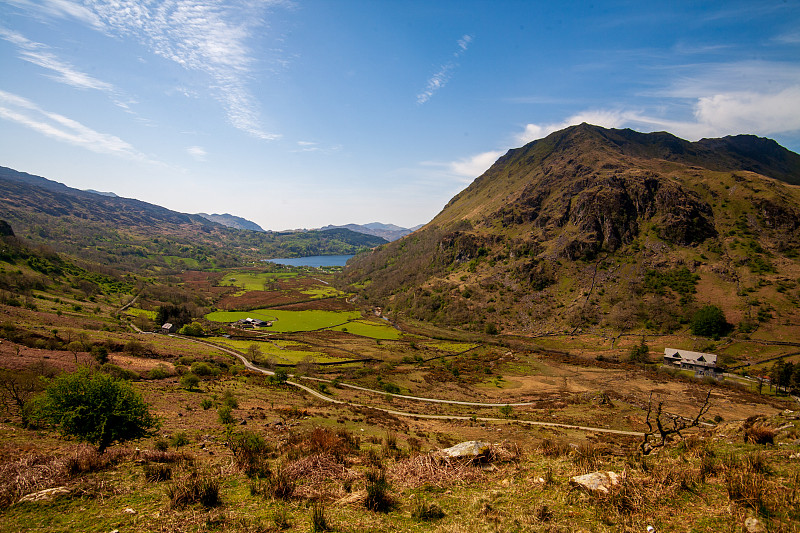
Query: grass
[250, 281]
[369, 329]
[289, 321]
[135, 311]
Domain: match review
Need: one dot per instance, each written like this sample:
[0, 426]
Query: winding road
[317, 394]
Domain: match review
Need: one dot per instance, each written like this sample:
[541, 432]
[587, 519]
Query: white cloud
[197, 152]
[37, 54]
[208, 36]
[599, 117]
[474, 166]
[26, 113]
[442, 76]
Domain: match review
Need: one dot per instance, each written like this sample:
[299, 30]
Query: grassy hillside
[579, 230]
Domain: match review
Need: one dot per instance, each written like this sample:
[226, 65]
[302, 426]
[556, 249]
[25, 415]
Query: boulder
[44, 495]
[752, 525]
[596, 482]
[471, 448]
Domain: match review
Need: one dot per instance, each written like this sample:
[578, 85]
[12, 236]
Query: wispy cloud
[442, 76]
[197, 152]
[208, 36]
[26, 113]
[39, 55]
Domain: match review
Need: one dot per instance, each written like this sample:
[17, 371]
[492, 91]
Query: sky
[304, 113]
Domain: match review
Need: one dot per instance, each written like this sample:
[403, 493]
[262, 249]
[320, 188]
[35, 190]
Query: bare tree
[667, 424]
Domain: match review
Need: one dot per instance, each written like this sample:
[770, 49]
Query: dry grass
[37, 472]
[433, 471]
[202, 488]
[759, 434]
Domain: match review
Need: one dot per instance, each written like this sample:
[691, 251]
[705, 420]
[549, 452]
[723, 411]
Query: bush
[192, 330]
[95, 408]
[206, 404]
[119, 373]
[179, 439]
[249, 452]
[159, 372]
[189, 381]
[226, 415]
[100, 354]
[202, 369]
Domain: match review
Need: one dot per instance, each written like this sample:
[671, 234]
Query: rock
[752, 525]
[471, 448]
[129, 510]
[44, 495]
[596, 482]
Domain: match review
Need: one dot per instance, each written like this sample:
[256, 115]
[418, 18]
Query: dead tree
[667, 424]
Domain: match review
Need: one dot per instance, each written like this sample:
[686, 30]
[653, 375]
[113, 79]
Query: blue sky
[305, 113]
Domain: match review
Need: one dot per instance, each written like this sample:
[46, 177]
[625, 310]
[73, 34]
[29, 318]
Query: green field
[279, 351]
[369, 329]
[135, 311]
[289, 321]
[253, 281]
[323, 292]
[456, 347]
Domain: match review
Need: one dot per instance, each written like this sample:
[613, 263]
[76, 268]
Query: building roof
[692, 358]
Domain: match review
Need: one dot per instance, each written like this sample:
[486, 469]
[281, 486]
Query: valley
[529, 319]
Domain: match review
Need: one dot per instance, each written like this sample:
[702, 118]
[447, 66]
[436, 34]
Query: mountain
[101, 193]
[135, 236]
[232, 221]
[390, 232]
[606, 229]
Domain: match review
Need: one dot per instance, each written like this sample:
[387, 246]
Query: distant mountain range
[132, 235]
[605, 229]
[390, 232]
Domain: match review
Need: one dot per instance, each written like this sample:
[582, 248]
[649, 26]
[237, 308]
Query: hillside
[232, 221]
[132, 235]
[593, 228]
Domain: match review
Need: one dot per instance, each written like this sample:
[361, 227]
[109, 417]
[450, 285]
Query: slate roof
[676, 356]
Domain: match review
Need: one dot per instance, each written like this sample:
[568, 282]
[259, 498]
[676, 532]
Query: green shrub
[203, 369]
[189, 381]
[226, 415]
[159, 372]
[206, 404]
[119, 373]
[179, 439]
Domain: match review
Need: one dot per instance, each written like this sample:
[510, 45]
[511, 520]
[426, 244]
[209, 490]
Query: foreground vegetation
[335, 427]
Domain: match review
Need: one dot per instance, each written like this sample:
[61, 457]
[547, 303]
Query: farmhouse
[167, 328]
[703, 364]
[249, 323]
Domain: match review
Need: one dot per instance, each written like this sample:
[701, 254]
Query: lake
[316, 261]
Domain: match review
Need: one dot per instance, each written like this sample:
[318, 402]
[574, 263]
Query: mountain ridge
[586, 201]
